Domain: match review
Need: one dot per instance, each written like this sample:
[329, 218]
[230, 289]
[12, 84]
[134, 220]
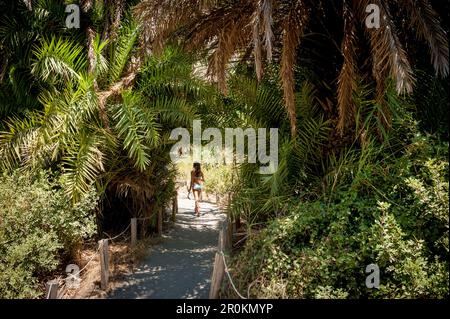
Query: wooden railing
[53, 286]
[223, 247]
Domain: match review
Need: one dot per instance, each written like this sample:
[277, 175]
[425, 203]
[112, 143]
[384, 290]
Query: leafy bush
[218, 178]
[391, 211]
[38, 225]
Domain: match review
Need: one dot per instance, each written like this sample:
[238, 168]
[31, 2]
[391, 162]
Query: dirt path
[181, 266]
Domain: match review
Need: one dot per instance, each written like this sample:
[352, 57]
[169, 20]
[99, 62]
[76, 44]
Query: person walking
[197, 181]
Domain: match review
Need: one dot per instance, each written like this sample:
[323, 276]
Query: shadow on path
[181, 266]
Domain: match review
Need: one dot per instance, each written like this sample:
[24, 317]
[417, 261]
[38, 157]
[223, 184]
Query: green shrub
[218, 179]
[38, 226]
[391, 212]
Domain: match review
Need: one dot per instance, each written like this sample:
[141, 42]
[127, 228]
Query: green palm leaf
[83, 162]
[58, 59]
[137, 128]
[122, 50]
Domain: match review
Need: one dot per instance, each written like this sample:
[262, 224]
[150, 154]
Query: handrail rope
[94, 255]
[229, 277]
[92, 258]
[109, 238]
[63, 281]
[60, 280]
[250, 286]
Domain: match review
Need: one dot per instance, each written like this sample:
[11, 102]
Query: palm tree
[22, 24]
[275, 29]
[102, 124]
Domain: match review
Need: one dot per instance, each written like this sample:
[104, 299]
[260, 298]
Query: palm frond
[171, 73]
[18, 144]
[137, 128]
[257, 50]
[292, 32]
[427, 25]
[312, 136]
[83, 162]
[173, 110]
[307, 102]
[58, 59]
[267, 21]
[160, 19]
[389, 56]
[347, 77]
[122, 50]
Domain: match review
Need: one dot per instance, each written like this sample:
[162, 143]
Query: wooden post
[238, 222]
[51, 289]
[160, 221]
[217, 276]
[133, 231]
[221, 245]
[176, 203]
[225, 236]
[229, 234]
[143, 224]
[104, 263]
[174, 207]
[224, 244]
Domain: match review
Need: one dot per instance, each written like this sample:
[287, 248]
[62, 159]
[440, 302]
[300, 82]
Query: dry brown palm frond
[389, 57]
[257, 44]
[115, 23]
[160, 18]
[211, 24]
[136, 186]
[229, 41]
[224, 32]
[86, 5]
[90, 35]
[267, 21]
[292, 32]
[218, 60]
[28, 4]
[427, 25]
[262, 25]
[347, 78]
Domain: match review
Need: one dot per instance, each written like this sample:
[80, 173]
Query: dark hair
[197, 167]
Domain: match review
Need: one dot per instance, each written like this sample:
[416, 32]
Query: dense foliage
[363, 135]
[392, 212]
[327, 213]
[38, 228]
